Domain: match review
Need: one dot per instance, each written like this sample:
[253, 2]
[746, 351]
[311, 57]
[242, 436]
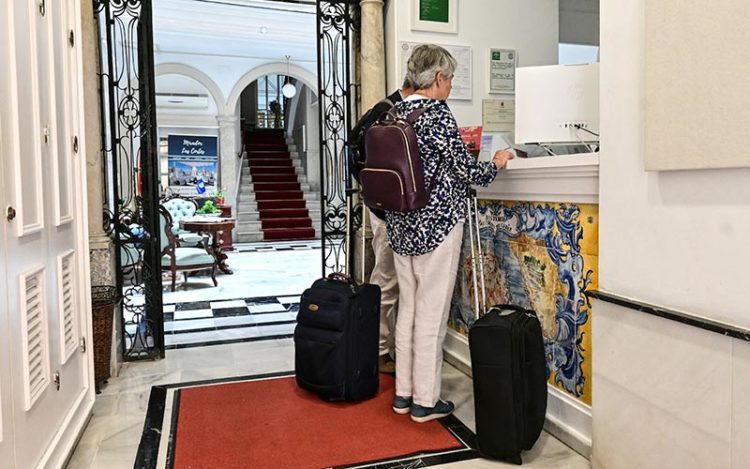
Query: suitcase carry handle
[506, 310]
[341, 277]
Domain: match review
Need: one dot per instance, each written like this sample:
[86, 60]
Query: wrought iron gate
[129, 149]
[337, 24]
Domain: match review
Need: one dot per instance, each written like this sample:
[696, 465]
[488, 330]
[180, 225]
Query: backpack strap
[391, 116]
[414, 115]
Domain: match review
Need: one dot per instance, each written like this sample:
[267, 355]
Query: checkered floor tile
[200, 323]
[279, 246]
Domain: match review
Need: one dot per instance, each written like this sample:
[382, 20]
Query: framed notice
[502, 71]
[499, 115]
[461, 77]
[440, 16]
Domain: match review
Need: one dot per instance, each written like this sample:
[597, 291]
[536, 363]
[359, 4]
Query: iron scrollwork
[336, 23]
[131, 169]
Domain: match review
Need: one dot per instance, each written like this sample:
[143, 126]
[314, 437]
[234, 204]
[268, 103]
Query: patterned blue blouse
[421, 231]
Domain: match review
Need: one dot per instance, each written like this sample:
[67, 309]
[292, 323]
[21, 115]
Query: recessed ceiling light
[263, 30]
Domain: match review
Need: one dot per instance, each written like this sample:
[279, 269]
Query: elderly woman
[427, 242]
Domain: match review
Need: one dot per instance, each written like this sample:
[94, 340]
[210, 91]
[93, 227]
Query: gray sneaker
[422, 414]
[401, 405]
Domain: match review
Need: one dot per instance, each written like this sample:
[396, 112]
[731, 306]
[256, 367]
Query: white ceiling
[232, 28]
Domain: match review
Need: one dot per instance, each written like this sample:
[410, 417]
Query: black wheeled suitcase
[510, 381]
[509, 369]
[336, 339]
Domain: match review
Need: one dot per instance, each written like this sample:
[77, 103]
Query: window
[572, 54]
[269, 90]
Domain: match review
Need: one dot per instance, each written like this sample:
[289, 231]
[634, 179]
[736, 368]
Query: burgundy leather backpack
[393, 177]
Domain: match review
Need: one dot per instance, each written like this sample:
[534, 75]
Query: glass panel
[573, 54]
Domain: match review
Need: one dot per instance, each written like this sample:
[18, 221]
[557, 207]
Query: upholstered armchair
[185, 259]
[180, 209]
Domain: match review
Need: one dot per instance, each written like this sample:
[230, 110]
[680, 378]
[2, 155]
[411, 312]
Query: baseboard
[69, 433]
[568, 419]
[456, 351]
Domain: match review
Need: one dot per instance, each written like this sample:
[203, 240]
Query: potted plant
[220, 197]
[209, 209]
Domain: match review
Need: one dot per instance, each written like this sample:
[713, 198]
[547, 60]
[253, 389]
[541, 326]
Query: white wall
[665, 394]
[677, 239]
[579, 22]
[529, 26]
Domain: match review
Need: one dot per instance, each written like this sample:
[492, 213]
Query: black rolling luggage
[509, 373]
[336, 339]
[510, 381]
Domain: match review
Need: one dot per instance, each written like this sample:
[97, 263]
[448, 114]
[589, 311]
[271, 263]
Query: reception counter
[539, 234]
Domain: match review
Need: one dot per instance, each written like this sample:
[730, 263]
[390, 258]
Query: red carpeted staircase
[281, 203]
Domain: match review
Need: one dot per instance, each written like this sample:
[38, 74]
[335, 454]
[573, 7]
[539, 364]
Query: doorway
[202, 69]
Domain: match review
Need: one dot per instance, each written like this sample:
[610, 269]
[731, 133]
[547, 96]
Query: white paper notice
[502, 71]
[498, 115]
[462, 76]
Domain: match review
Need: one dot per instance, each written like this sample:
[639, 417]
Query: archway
[197, 75]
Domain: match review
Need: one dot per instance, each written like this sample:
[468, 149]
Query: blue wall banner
[192, 158]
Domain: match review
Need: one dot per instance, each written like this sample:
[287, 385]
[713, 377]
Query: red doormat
[268, 422]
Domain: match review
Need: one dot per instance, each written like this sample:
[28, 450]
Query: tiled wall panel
[542, 256]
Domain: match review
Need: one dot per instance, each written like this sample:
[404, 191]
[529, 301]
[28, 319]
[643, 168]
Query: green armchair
[180, 209]
[185, 259]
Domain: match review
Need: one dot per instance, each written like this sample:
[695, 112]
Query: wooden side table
[226, 236]
[214, 229]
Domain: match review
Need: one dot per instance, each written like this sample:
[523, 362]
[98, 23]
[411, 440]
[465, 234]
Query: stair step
[276, 186]
[249, 237]
[258, 162]
[283, 213]
[268, 195]
[265, 146]
[275, 178]
[288, 233]
[258, 170]
[302, 222]
[280, 204]
[268, 154]
[249, 215]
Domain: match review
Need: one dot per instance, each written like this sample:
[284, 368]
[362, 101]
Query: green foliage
[208, 208]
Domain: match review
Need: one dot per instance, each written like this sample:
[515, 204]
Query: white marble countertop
[580, 159]
[562, 178]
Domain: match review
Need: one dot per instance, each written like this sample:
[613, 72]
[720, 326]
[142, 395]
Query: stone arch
[274, 68]
[197, 75]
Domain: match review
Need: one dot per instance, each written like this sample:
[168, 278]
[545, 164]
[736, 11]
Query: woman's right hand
[501, 158]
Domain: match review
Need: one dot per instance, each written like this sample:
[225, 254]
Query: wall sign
[192, 158]
[502, 71]
[439, 16]
[461, 77]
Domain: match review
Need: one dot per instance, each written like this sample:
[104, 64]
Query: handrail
[241, 154]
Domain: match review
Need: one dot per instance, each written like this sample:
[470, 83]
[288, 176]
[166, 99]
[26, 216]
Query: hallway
[114, 432]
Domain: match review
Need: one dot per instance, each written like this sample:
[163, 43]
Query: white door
[6, 409]
[45, 237]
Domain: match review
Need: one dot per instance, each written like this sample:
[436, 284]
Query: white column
[230, 163]
[372, 77]
[372, 71]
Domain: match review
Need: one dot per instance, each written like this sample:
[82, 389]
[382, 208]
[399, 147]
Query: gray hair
[424, 64]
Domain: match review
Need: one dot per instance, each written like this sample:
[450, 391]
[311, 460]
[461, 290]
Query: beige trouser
[426, 284]
[384, 275]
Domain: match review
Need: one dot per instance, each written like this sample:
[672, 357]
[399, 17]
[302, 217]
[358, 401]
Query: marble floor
[111, 439]
[279, 271]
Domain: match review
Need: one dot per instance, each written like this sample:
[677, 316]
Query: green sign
[434, 10]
